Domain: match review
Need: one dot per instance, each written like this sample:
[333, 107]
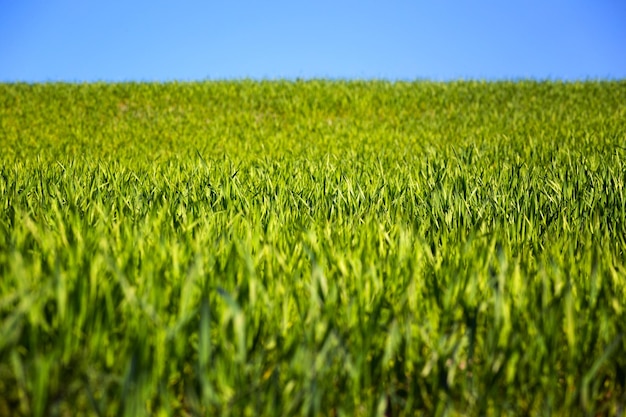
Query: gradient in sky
[157, 40]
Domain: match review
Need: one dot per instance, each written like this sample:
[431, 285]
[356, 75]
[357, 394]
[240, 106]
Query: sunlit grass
[313, 248]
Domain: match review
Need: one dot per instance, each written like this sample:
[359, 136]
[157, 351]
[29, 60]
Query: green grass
[313, 248]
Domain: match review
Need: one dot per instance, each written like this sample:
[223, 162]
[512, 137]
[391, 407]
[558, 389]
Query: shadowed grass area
[313, 248]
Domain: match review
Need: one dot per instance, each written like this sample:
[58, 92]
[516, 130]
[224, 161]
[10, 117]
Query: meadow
[318, 248]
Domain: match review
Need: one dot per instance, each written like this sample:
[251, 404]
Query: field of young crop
[318, 248]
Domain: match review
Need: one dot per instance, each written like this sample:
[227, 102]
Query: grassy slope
[313, 248]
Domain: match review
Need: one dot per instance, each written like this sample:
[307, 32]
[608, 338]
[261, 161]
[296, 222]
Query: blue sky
[157, 40]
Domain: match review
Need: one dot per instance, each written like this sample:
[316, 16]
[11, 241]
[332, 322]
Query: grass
[313, 248]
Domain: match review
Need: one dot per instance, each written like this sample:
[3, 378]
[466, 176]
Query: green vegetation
[313, 248]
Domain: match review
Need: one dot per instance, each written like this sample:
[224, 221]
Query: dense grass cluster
[313, 248]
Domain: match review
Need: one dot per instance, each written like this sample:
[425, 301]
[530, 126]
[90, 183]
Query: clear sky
[158, 40]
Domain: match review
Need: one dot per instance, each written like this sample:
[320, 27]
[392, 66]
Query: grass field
[318, 248]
